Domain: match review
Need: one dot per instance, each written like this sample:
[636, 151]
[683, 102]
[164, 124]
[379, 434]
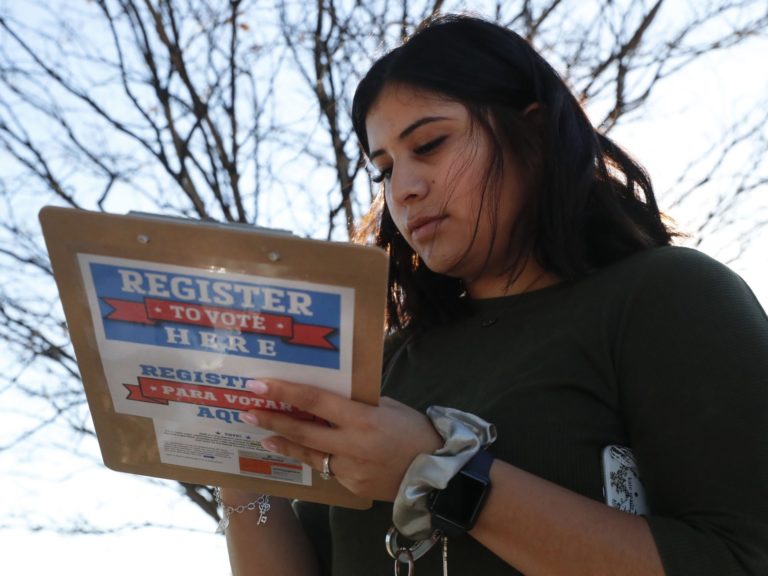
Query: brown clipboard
[128, 442]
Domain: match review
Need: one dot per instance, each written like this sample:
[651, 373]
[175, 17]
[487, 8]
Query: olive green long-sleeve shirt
[665, 352]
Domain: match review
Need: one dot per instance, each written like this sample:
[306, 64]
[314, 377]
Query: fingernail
[268, 445]
[250, 418]
[257, 386]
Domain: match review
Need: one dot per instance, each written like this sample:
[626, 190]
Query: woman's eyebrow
[410, 128]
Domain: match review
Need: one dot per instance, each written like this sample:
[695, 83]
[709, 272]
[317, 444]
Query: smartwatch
[455, 508]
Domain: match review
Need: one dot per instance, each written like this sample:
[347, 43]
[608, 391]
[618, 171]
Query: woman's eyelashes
[429, 146]
[384, 174]
[380, 175]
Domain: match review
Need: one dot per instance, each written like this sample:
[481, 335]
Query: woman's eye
[379, 176]
[429, 146]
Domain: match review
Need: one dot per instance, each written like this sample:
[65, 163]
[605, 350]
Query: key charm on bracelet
[261, 504]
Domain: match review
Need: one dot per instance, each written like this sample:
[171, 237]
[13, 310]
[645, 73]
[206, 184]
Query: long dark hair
[589, 203]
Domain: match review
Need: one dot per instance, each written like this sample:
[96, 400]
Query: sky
[684, 115]
[60, 489]
[686, 112]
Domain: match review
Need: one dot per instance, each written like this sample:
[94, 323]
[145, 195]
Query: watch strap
[480, 465]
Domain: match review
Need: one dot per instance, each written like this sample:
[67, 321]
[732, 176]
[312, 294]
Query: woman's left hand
[371, 447]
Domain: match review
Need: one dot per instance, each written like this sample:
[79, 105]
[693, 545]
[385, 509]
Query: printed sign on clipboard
[169, 319]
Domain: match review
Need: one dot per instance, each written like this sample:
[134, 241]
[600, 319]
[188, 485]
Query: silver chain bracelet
[261, 504]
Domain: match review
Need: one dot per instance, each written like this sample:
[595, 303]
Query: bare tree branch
[239, 111]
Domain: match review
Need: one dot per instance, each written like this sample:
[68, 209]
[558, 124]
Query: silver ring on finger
[326, 473]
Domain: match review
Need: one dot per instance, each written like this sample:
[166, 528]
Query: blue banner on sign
[225, 316]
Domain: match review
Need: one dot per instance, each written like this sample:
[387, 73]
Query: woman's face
[434, 162]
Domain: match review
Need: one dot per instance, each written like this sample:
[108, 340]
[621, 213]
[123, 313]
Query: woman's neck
[533, 277]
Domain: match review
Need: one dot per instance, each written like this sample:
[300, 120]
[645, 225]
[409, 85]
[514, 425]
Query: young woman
[531, 286]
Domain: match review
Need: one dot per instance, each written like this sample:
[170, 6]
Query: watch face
[461, 500]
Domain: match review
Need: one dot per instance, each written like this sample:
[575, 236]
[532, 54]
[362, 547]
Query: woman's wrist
[250, 502]
[464, 435]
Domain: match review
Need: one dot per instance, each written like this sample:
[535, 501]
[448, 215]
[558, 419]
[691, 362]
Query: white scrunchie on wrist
[464, 434]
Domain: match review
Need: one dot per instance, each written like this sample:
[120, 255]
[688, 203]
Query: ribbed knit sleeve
[692, 366]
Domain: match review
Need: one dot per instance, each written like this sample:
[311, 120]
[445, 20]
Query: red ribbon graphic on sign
[156, 391]
[151, 311]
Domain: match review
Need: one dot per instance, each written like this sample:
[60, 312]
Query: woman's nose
[407, 186]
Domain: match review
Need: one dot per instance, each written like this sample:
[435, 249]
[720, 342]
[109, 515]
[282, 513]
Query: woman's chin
[443, 266]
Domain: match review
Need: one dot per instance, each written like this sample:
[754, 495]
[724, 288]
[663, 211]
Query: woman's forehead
[399, 106]
[404, 95]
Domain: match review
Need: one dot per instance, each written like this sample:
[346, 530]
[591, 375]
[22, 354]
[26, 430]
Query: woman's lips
[422, 228]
